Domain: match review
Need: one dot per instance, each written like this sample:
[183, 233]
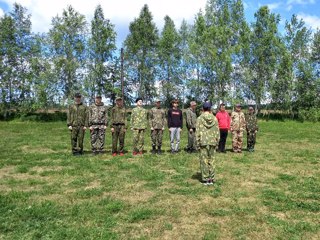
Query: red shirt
[223, 120]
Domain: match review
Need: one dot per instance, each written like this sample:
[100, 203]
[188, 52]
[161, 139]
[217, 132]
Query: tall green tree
[101, 49]
[67, 45]
[265, 53]
[141, 54]
[169, 61]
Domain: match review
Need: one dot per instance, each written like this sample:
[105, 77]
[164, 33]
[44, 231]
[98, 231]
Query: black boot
[154, 150]
[159, 150]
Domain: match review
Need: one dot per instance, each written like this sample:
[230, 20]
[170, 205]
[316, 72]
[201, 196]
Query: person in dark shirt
[175, 125]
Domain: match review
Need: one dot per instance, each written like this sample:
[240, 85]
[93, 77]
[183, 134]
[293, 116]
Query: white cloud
[120, 12]
[273, 6]
[301, 2]
[310, 20]
[1, 12]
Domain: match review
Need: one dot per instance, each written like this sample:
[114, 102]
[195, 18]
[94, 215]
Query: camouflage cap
[118, 98]
[77, 95]
[157, 100]
[193, 103]
[238, 105]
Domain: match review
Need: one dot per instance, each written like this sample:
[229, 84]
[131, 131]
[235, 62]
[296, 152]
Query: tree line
[219, 57]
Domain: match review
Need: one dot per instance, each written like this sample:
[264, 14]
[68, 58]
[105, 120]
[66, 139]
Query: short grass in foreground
[45, 193]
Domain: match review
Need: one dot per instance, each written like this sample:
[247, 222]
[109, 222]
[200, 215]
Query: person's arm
[181, 119]
[106, 117]
[69, 117]
[228, 120]
[169, 119]
[132, 119]
[150, 119]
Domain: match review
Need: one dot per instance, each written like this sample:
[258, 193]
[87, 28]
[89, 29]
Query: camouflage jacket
[157, 118]
[191, 118]
[139, 118]
[207, 130]
[238, 121]
[77, 115]
[118, 116]
[252, 122]
[98, 116]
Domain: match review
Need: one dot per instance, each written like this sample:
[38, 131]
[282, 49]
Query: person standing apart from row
[207, 135]
[138, 126]
[77, 122]
[157, 121]
[175, 121]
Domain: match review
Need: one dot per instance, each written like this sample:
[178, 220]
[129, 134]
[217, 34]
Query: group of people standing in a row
[206, 133]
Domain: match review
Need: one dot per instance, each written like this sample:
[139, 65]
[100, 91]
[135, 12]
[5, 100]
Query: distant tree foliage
[220, 57]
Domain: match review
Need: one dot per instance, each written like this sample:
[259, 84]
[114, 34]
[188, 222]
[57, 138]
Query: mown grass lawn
[45, 193]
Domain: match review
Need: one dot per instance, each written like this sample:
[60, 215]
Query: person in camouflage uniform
[98, 122]
[157, 121]
[138, 125]
[77, 122]
[118, 126]
[191, 120]
[252, 129]
[207, 135]
[237, 126]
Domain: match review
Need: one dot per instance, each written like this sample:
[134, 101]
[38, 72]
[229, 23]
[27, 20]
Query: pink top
[223, 120]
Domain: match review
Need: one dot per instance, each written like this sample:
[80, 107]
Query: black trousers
[223, 139]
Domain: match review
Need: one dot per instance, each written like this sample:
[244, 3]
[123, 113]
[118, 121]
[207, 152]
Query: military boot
[154, 150]
[159, 150]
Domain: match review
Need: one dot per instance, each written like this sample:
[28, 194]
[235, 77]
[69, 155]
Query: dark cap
[251, 108]
[238, 105]
[118, 98]
[98, 96]
[175, 101]
[222, 104]
[157, 100]
[206, 106]
[77, 95]
[138, 99]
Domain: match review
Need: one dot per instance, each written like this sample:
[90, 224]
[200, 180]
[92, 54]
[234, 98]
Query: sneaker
[205, 183]
[114, 154]
[173, 151]
[121, 154]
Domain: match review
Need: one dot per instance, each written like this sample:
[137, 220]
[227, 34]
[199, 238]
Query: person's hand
[91, 128]
[152, 129]
[180, 129]
[162, 129]
[112, 130]
[131, 128]
[170, 129]
[104, 127]
[124, 130]
[255, 131]
[84, 128]
[70, 128]
[191, 130]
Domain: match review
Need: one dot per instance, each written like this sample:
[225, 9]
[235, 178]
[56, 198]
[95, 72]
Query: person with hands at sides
[175, 120]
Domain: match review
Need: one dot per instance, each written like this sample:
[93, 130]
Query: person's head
[139, 102]
[98, 99]
[206, 107]
[175, 103]
[193, 105]
[238, 107]
[222, 107]
[251, 110]
[77, 98]
[158, 103]
[119, 101]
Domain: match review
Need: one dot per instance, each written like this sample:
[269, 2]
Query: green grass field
[45, 193]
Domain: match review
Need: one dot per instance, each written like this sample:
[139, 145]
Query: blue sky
[122, 12]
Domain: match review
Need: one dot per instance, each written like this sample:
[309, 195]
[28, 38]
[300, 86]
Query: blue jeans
[175, 135]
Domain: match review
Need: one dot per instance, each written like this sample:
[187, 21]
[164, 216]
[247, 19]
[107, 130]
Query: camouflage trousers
[77, 136]
[251, 139]
[207, 162]
[192, 140]
[118, 135]
[97, 139]
[138, 140]
[237, 140]
[156, 137]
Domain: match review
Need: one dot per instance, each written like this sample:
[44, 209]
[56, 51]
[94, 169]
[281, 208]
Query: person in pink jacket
[224, 126]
